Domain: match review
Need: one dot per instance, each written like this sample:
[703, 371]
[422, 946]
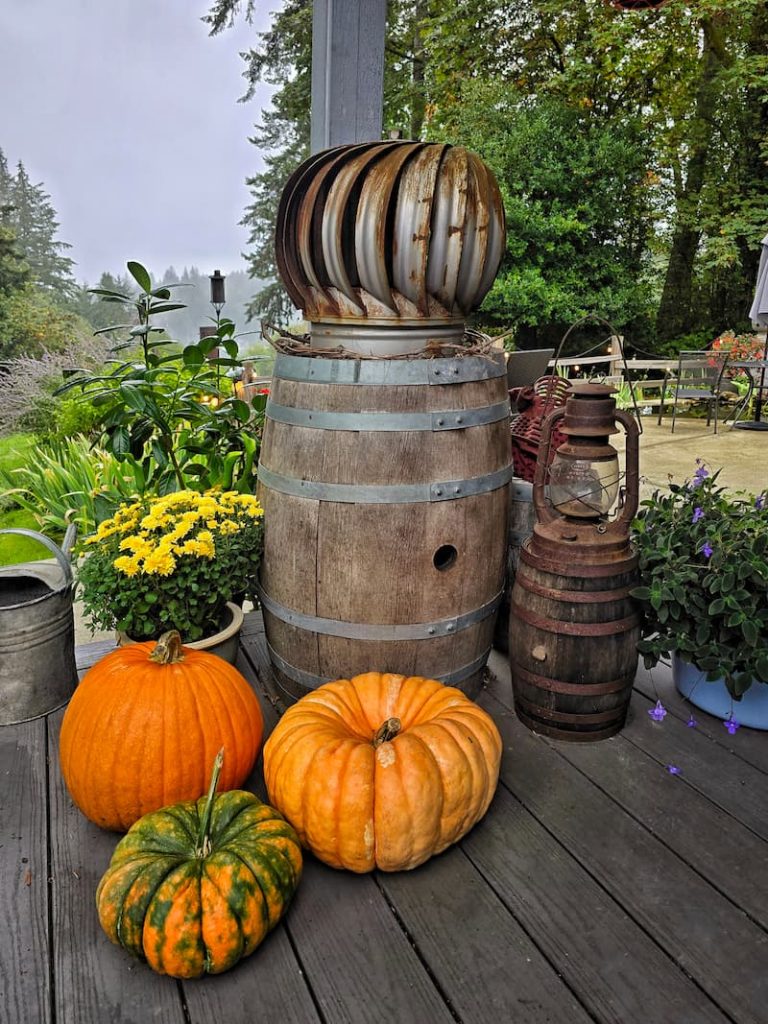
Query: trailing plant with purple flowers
[704, 579]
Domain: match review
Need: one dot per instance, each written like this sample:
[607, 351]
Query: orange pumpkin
[144, 725]
[382, 771]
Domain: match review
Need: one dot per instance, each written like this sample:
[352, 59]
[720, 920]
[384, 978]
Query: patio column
[347, 71]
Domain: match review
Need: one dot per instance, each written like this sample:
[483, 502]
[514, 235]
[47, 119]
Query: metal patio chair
[698, 380]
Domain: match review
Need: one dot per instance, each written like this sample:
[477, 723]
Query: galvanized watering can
[37, 634]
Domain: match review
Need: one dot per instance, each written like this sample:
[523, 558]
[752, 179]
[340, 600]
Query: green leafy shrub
[169, 414]
[68, 482]
[704, 579]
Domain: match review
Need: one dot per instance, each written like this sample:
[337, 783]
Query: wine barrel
[573, 645]
[384, 488]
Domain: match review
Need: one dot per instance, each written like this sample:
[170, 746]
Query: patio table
[600, 887]
[757, 375]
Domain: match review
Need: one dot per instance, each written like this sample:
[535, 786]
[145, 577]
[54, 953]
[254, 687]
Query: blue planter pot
[751, 710]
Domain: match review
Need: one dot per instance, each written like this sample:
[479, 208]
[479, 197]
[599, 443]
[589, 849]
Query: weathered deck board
[730, 782]
[722, 850]
[619, 972]
[686, 916]
[24, 954]
[638, 897]
[487, 967]
[95, 981]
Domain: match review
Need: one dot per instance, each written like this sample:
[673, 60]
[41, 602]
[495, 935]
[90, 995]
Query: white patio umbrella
[758, 314]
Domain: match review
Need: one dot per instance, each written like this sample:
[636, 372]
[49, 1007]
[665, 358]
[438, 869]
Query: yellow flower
[127, 564]
[159, 563]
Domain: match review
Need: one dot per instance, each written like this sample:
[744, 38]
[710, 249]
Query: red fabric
[534, 403]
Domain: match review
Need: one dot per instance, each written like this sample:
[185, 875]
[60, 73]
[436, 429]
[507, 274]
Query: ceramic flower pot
[225, 643]
[751, 710]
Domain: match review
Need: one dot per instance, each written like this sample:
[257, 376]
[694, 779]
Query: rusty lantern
[574, 625]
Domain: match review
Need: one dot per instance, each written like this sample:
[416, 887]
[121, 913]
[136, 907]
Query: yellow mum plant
[171, 563]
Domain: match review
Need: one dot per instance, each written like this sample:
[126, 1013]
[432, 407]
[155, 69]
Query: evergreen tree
[26, 208]
[14, 273]
[282, 57]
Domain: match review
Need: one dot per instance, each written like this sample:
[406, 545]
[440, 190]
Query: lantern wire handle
[587, 318]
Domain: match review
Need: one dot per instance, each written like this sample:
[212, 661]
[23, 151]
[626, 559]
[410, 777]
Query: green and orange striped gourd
[195, 887]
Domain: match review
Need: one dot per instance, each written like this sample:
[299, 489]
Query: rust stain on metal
[386, 228]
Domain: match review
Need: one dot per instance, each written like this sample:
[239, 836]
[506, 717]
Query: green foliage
[33, 321]
[71, 417]
[67, 482]
[15, 549]
[14, 272]
[169, 415]
[171, 563]
[704, 580]
[577, 216]
[690, 81]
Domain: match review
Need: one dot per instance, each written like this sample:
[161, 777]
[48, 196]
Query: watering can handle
[61, 558]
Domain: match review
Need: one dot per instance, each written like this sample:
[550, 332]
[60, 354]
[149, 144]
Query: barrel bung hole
[445, 557]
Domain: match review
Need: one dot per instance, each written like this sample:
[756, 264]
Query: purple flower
[691, 723]
[700, 475]
[697, 515]
[760, 502]
[673, 769]
[658, 713]
[707, 549]
[731, 724]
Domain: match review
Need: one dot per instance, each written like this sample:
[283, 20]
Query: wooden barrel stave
[373, 562]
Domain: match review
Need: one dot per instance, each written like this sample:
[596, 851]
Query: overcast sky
[127, 112]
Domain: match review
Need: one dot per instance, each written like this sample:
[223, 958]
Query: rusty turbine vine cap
[389, 235]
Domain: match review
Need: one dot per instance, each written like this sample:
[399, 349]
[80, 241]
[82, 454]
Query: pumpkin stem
[168, 649]
[203, 846]
[387, 731]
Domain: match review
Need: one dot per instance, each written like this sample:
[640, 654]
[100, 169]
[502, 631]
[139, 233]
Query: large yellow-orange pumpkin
[382, 771]
[144, 726]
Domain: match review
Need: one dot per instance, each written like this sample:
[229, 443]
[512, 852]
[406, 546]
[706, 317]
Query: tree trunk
[676, 315]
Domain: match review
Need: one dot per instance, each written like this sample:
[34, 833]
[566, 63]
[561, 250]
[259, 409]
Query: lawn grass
[15, 451]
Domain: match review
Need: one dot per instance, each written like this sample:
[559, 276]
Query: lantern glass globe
[584, 488]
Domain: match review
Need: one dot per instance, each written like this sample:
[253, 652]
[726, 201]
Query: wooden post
[347, 71]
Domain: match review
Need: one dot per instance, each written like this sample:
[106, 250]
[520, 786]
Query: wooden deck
[599, 887]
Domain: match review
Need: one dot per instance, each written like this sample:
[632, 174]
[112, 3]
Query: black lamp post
[218, 295]
[218, 300]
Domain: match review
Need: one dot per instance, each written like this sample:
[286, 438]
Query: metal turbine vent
[389, 235]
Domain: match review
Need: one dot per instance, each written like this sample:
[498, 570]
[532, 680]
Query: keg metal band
[305, 369]
[538, 725]
[581, 629]
[569, 717]
[379, 631]
[452, 419]
[574, 596]
[311, 681]
[560, 686]
[384, 494]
